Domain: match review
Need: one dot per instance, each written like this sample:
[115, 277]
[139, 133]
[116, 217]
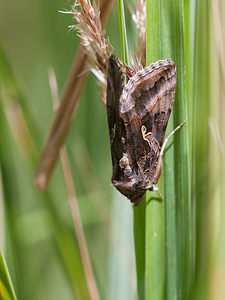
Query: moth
[138, 114]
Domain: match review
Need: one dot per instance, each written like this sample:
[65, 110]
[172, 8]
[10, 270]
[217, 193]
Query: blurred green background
[36, 229]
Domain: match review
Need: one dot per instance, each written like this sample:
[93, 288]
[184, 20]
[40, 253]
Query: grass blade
[201, 191]
[6, 288]
[65, 243]
[139, 212]
[120, 277]
[139, 243]
[165, 39]
[123, 31]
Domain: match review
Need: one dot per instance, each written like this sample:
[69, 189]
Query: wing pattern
[138, 114]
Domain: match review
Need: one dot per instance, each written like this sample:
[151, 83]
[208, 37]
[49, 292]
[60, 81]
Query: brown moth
[138, 113]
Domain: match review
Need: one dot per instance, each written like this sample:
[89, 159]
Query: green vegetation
[178, 243]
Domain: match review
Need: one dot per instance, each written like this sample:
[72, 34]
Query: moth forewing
[138, 112]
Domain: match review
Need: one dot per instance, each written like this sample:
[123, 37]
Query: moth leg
[159, 164]
[169, 136]
[156, 189]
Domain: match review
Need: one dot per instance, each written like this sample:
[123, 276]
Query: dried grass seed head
[90, 32]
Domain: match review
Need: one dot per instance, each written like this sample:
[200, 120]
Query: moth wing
[144, 102]
[147, 100]
[160, 100]
[115, 85]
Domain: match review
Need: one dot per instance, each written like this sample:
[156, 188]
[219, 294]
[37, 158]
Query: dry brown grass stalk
[219, 34]
[215, 132]
[140, 22]
[92, 38]
[139, 18]
[70, 97]
[19, 128]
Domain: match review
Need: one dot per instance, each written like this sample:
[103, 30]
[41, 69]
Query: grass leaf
[6, 287]
[123, 31]
[165, 39]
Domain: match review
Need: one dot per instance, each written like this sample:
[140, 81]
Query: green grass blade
[154, 249]
[165, 39]
[201, 180]
[139, 212]
[123, 31]
[155, 255]
[124, 291]
[121, 259]
[65, 244]
[139, 243]
[181, 154]
[6, 287]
